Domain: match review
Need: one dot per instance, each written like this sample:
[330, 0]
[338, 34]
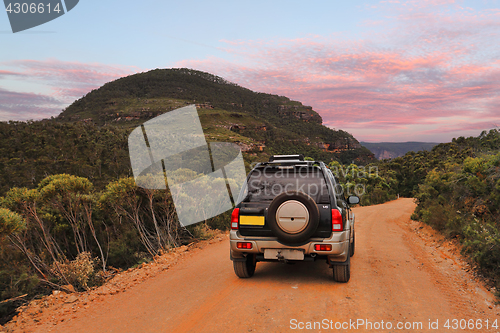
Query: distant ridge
[390, 150]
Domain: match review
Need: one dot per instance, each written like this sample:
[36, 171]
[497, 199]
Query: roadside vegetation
[372, 183]
[66, 235]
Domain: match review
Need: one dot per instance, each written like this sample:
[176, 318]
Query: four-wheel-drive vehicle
[292, 210]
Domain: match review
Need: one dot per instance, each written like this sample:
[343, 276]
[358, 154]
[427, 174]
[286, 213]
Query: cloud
[62, 81]
[24, 106]
[8, 73]
[430, 60]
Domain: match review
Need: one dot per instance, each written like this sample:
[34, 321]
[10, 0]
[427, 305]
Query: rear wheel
[342, 273]
[245, 269]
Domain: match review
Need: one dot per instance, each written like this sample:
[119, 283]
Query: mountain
[390, 150]
[262, 124]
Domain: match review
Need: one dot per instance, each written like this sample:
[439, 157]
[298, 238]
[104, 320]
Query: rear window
[268, 182]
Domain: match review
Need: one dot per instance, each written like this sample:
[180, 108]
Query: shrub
[201, 231]
[77, 272]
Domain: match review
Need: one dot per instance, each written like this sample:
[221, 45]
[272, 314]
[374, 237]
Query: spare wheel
[293, 217]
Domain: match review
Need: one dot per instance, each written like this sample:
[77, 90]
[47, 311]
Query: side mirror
[352, 200]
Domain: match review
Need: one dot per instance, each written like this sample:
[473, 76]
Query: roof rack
[287, 158]
[291, 163]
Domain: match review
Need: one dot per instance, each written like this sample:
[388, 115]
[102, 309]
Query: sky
[416, 70]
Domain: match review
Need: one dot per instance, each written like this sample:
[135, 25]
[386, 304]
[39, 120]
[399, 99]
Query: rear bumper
[339, 242]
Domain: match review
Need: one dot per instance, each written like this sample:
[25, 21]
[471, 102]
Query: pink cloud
[76, 77]
[8, 73]
[428, 65]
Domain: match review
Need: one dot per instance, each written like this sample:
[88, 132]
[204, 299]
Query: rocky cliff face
[341, 145]
[301, 112]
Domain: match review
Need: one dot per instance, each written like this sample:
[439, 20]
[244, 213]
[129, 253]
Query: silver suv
[292, 210]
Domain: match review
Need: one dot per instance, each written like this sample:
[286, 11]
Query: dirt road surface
[402, 274]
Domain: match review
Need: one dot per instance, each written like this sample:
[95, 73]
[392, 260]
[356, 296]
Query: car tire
[307, 205]
[245, 269]
[353, 244]
[342, 273]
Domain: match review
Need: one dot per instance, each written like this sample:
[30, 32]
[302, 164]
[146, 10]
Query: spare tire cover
[293, 217]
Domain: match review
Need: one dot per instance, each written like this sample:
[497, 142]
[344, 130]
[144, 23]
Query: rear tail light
[337, 224]
[234, 218]
[323, 247]
[244, 245]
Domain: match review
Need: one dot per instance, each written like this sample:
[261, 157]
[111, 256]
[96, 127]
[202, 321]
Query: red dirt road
[402, 274]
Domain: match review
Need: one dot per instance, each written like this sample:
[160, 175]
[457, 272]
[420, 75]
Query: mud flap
[345, 263]
[244, 258]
